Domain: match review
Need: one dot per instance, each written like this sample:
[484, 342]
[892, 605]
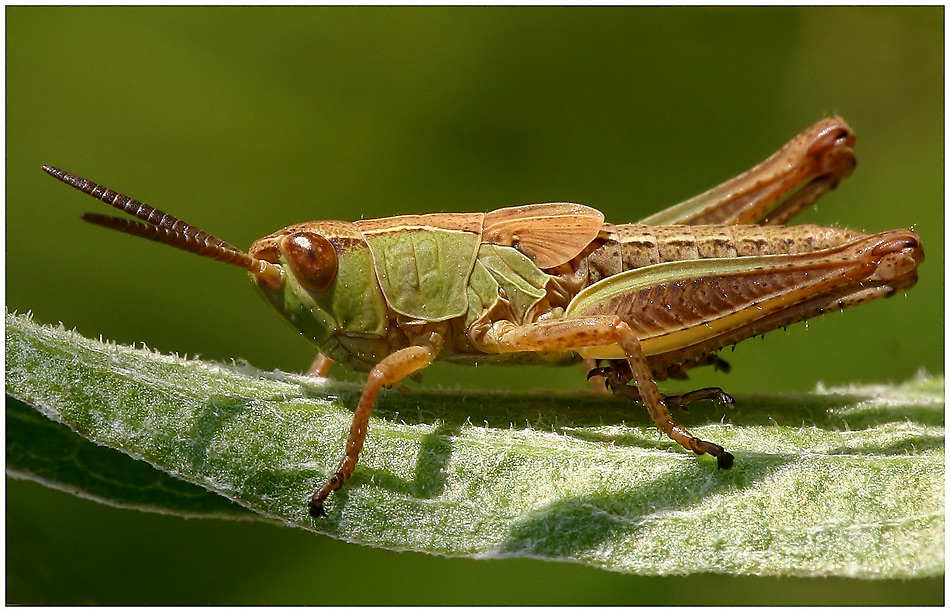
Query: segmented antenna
[162, 227]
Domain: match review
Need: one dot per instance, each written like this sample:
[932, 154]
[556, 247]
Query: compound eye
[312, 260]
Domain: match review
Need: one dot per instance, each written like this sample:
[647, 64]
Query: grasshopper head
[328, 290]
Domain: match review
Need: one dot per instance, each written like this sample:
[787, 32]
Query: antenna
[167, 229]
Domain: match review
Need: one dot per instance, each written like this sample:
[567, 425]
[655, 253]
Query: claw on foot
[334, 484]
[316, 507]
[724, 461]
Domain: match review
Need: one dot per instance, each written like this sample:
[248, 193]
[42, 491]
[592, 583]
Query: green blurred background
[243, 120]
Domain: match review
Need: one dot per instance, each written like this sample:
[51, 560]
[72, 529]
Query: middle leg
[576, 333]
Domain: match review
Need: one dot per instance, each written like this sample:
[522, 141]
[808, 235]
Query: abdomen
[633, 246]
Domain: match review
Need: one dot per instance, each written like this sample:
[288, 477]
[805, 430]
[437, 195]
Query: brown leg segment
[707, 393]
[390, 370]
[320, 366]
[599, 331]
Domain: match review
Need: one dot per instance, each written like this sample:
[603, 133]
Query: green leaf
[837, 482]
[51, 453]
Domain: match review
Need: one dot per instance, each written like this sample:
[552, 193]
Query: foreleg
[320, 366]
[389, 371]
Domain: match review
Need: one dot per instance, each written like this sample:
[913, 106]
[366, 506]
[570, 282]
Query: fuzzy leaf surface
[846, 482]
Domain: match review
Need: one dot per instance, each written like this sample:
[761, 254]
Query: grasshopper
[554, 283]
